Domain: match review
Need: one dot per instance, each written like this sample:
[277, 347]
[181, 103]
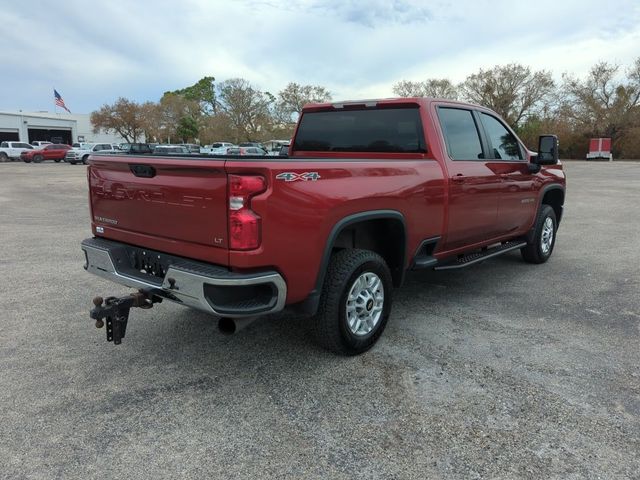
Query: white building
[53, 127]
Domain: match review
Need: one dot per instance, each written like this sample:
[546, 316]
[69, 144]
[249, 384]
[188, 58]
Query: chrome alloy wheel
[547, 235]
[365, 304]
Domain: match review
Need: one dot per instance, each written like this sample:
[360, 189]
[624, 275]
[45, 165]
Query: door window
[503, 144]
[460, 134]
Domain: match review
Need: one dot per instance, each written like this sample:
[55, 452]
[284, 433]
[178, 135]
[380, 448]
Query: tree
[171, 110]
[216, 128]
[124, 117]
[187, 129]
[246, 107]
[151, 121]
[513, 91]
[603, 105]
[294, 96]
[203, 92]
[432, 87]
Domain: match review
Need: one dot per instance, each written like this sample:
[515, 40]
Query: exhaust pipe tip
[229, 326]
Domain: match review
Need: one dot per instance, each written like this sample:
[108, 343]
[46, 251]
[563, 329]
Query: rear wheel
[37, 158]
[544, 237]
[355, 302]
[57, 160]
[84, 159]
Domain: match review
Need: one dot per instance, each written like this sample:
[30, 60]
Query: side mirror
[547, 150]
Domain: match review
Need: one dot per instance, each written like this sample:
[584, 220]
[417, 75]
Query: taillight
[244, 223]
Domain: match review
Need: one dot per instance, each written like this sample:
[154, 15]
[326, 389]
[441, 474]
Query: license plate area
[144, 264]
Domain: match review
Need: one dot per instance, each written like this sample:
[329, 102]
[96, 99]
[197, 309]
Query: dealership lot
[501, 370]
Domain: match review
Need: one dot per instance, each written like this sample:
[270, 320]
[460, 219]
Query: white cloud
[356, 49]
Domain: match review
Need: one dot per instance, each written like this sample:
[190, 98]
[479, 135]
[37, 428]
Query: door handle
[459, 178]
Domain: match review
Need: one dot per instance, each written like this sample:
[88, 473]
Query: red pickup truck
[370, 189]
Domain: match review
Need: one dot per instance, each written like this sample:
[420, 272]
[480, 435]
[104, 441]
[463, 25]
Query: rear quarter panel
[298, 216]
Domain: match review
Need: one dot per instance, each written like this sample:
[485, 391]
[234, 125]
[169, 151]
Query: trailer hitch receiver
[114, 311]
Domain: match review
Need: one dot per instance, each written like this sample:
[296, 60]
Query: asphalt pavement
[501, 370]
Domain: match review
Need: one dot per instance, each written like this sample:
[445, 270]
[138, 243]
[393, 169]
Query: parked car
[284, 150]
[246, 151]
[41, 143]
[171, 150]
[192, 147]
[81, 154]
[371, 190]
[53, 151]
[12, 150]
[217, 148]
[135, 148]
[274, 147]
[252, 144]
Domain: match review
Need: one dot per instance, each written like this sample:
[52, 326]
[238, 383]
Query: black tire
[4, 157]
[72, 162]
[84, 159]
[330, 325]
[539, 250]
[37, 159]
[26, 160]
[57, 160]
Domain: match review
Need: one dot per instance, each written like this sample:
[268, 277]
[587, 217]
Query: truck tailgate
[176, 205]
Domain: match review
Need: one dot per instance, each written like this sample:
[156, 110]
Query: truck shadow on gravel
[193, 332]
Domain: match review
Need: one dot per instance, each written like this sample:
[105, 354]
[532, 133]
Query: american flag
[59, 100]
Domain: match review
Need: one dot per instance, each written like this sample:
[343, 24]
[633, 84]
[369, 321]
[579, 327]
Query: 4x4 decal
[292, 177]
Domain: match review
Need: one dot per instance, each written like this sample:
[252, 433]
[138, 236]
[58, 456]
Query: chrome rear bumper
[209, 288]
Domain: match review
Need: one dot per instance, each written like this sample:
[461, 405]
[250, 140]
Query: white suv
[218, 148]
[81, 154]
[12, 150]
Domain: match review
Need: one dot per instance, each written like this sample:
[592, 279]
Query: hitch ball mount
[114, 311]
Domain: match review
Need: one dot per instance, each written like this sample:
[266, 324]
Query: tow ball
[114, 311]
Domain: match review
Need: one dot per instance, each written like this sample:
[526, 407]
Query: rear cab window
[392, 130]
[461, 133]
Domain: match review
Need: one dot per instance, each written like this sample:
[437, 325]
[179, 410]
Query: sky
[94, 52]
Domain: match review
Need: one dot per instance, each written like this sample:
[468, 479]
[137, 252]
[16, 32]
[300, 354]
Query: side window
[502, 142]
[4, 145]
[460, 133]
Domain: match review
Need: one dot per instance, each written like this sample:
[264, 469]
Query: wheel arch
[359, 231]
[553, 195]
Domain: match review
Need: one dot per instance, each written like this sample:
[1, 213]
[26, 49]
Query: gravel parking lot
[502, 370]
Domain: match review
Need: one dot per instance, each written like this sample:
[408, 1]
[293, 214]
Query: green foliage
[203, 92]
[187, 129]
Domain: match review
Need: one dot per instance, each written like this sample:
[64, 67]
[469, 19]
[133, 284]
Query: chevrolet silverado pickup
[370, 190]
